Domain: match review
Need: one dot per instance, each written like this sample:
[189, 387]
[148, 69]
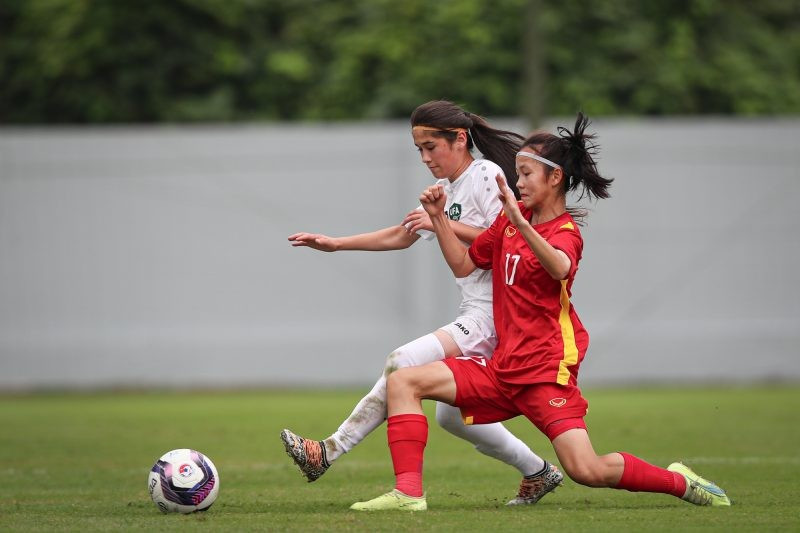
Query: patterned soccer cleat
[308, 455]
[531, 490]
[392, 501]
[700, 491]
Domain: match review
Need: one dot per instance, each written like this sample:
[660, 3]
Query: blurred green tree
[117, 61]
[674, 57]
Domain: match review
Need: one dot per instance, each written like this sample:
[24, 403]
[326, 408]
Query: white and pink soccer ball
[183, 481]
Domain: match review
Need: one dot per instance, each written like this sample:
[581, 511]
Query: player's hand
[510, 205]
[416, 220]
[316, 241]
[433, 200]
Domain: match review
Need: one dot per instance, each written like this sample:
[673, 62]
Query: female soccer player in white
[444, 135]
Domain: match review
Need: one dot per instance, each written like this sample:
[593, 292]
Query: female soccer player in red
[533, 249]
[444, 135]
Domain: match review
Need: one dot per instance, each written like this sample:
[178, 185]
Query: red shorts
[483, 399]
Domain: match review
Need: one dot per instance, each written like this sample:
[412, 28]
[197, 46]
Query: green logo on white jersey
[454, 212]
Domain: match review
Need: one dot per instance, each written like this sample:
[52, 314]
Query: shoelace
[313, 452]
[698, 494]
[529, 487]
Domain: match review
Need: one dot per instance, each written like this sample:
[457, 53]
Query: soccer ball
[183, 481]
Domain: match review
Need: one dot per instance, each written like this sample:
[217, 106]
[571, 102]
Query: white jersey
[472, 200]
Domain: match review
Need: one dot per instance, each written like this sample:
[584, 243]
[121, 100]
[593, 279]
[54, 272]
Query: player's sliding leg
[625, 471]
[494, 440]
[315, 457]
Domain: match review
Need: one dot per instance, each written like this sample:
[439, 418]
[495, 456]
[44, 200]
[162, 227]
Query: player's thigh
[574, 449]
[477, 392]
[433, 381]
[451, 349]
[420, 351]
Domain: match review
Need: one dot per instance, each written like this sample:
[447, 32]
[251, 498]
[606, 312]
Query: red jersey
[540, 337]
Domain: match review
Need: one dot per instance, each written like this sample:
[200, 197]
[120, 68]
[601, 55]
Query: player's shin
[367, 415]
[407, 435]
[640, 476]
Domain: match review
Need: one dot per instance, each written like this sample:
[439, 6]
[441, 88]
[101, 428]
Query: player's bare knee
[586, 475]
[400, 382]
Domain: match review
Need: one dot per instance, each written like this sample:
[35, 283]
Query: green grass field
[80, 462]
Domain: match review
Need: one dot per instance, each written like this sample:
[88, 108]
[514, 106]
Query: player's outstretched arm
[391, 238]
[317, 241]
[419, 219]
[455, 253]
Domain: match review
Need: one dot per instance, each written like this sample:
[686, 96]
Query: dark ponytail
[575, 151]
[498, 146]
[579, 161]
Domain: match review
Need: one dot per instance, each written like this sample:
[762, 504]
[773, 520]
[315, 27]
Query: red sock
[407, 435]
[639, 476]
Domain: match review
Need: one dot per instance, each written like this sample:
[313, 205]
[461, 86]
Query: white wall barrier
[157, 256]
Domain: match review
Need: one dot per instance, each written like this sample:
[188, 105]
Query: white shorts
[474, 334]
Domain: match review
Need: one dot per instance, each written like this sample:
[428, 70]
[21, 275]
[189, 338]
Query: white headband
[538, 158]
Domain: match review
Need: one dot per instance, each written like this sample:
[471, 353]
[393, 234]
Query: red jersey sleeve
[568, 239]
[482, 247]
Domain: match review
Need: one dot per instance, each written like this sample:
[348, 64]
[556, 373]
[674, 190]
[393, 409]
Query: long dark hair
[498, 146]
[575, 151]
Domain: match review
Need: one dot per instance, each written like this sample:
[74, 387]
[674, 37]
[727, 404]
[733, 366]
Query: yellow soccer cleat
[392, 501]
[700, 491]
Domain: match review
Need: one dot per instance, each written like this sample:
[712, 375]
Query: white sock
[493, 440]
[370, 412]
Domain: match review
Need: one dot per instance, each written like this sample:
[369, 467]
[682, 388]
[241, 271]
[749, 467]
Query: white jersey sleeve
[486, 192]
